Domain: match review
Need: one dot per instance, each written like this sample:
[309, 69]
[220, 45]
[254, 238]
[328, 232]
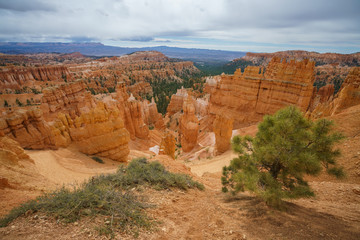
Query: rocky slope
[349, 95]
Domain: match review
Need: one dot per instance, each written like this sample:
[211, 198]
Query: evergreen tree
[18, 102]
[287, 146]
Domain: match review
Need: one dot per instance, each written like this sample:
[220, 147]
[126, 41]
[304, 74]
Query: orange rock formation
[247, 97]
[152, 116]
[72, 98]
[10, 150]
[99, 132]
[27, 127]
[16, 78]
[349, 95]
[223, 131]
[176, 102]
[167, 145]
[189, 126]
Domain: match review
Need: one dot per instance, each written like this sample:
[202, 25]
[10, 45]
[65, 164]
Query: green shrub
[18, 102]
[286, 147]
[97, 159]
[141, 172]
[89, 199]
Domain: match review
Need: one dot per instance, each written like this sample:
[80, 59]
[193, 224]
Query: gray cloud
[301, 22]
[25, 6]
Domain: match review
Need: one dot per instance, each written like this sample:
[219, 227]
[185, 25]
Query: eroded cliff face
[18, 77]
[70, 114]
[99, 131]
[28, 127]
[72, 98]
[11, 152]
[176, 102]
[188, 125]
[247, 97]
[324, 94]
[135, 115]
[349, 95]
[10, 155]
[152, 116]
[223, 131]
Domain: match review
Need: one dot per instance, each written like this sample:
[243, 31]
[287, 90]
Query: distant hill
[99, 49]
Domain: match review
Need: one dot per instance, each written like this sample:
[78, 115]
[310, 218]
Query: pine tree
[18, 102]
[273, 163]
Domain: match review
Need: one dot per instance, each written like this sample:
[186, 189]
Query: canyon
[81, 109]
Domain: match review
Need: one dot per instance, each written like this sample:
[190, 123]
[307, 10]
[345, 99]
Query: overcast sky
[242, 25]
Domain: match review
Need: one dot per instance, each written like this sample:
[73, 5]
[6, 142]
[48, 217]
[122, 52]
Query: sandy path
[213, 165]
[65, 166]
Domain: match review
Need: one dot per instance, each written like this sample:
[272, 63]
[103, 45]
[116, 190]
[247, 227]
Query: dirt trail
[213, 165]
[65, 166]
[50, 169]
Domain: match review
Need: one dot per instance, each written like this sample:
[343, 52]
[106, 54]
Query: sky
[238, 25]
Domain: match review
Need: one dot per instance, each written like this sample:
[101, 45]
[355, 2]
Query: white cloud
[302, 22]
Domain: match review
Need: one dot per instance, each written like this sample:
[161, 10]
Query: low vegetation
[273, 164]
[109, 196]
[97, 159]
[219, 67]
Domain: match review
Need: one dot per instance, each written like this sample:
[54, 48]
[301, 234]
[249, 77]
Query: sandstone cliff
[247, 97]
[189, 126]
